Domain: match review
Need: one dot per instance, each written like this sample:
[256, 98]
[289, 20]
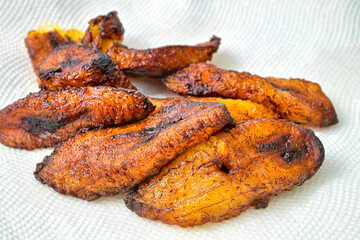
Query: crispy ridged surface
[163, 60]
[232, 171]
[40, 45]
[297, 100]
[109, 161]
[240, 110]
[79, 66]
[46, 118]
[103, 30]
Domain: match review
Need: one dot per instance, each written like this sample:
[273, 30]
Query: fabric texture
[315, 40]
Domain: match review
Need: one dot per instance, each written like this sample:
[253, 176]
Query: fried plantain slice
[79, 66]
[240, 110]
[297, 100]
[103, 30]
[163, 60]
[46, 118]
[41, 44]
[232, 171]
[108, 161]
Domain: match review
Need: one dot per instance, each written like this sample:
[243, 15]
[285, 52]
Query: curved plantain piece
[240, 110]
[41, 44]
[46, 118]
[103, 30]
[163, 60]
[79, 66]
[232, 171]
[108, 161]
[296, 100]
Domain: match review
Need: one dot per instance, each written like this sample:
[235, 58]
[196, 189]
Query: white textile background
[317, 40]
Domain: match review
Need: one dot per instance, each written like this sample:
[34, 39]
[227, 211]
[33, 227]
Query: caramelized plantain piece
[40, 45]
[103, 30]
[109, 161]
[239, 109]
[46, 118]
[297, 100]
[79, 66]
[163, 60]
[232, 171]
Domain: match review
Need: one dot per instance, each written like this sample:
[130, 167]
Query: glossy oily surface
[232, 171]
[108, 161]
[163, 60]
[46, 118]
[296, 100]
[79, 66]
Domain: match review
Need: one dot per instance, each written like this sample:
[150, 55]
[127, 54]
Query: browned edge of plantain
[232, 171]
[163, 60]
[46, 118]
[108, 161]
[79, 66]
[296, 100]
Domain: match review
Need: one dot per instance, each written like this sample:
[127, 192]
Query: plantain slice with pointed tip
[103, 30]
[46, 118]
[79, 66]
[296, 100]
[232, 171]
[108, 161]
[240, 110]
[163, 60]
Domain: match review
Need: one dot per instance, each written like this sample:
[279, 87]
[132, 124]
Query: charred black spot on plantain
[273, 145]
[37, 125]
[290, 155]
[224, 169]
[49, 73]
[70, 61]
[104, 63]
[54, 42]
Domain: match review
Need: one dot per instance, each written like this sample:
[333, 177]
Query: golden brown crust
[295, 99]
[40, 45]
[79, 66]
[163, 60]
[240, 110]
[232, 171]
[108, 161]
[46, 118]
[103, 30]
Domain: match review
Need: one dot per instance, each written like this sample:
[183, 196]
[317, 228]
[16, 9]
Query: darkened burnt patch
[54, 42]
[273, 145]
[37, 125]
[104, 63]
[70, 60]
[290, 155]
[48, 73]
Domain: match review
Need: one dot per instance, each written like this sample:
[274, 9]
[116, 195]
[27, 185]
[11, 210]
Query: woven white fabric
[317, 40]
